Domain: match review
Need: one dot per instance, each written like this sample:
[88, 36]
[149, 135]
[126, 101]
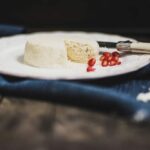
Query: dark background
[132, 16]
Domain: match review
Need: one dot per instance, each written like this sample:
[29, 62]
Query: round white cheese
[45, 52]
[59, 49]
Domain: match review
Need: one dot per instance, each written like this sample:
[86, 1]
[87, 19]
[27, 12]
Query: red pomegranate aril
[109, 63]
[106, 54]
[104, 63]
[92, 62]
[115, 54]
[112, 63]
[109, 58]
[119, 63]
[102, 58]
[115, 58]
[90, 69]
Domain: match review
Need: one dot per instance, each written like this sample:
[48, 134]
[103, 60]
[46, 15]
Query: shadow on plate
[20, 59]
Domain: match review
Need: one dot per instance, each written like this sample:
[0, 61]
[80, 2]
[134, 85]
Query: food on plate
[110, 59]
[91, 64]
[49, 51]
[44, 52]
[80, 52]
[90, 69]
[106, 59]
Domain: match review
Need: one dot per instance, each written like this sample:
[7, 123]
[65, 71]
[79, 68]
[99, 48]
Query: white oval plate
[12, 51]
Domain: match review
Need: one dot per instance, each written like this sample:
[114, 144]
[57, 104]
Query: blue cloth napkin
[114, 95]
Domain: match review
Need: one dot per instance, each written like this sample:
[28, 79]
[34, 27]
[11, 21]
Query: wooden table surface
[38, 125]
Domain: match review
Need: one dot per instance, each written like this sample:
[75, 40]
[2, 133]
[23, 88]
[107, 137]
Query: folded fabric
[111, 95]
[114, 95]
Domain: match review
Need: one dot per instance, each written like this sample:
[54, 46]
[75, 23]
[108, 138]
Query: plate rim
[66, 78]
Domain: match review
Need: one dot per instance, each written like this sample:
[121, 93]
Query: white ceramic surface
[12, 51]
